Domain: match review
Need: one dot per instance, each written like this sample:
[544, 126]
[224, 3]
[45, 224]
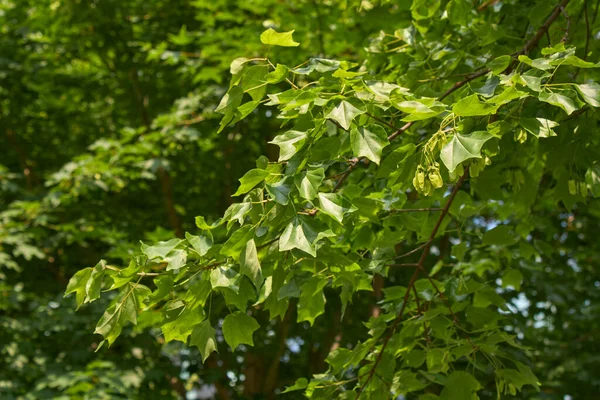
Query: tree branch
[413, 279]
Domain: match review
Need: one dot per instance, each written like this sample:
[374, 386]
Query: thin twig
[402, 265]
[381, 121]
[413, 251]
[568, 18]
[404, 210]
[353, 163]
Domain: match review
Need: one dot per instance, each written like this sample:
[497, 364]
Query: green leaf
[123, 309]
[238, 64]
[236, 212]
[461, 148]
[458, 12]
[333, 205]
[512, 277]
[312, 300]
[160, 249]
[590, 93]
[301, 383]
[295, 237]
[592, 179]
[424, 9]
[249, 263]
[368, 142]
[289, 143]
[241, 295]
[460, 385]
[238, 329]
[390, 163]
[321, 65]
[560, 100]
[223, 277]
[201, 223]
[308, 183]
[180, 324]
[471, 106]
[500, 236]
[250, 180]
[176, 259]
[203, 336]
[499, 64]
[77, 284]
[459, 250]
[280, 73]
[280, 191]
[344, 113]
[274, 38]
[201, 243]
[236, 242]
[302, 235]
[420, 109]
[539, 127]
[539, 63]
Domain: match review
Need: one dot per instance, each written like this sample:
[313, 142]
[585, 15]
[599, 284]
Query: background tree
[108, 113]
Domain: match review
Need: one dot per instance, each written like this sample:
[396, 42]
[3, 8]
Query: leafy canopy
[434, 208]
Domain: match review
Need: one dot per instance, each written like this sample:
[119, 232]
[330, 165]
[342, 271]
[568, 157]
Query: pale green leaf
[460, 385]
[203, 336]
[250, 264]
[160, 249]
[201, 243]
[344, 113]
[289, 143]
[333, 205]
[462, 147]
[238, 329]
[539, 127]
[274, 38]
[499, 64]
[471, 106]
[590, 93]
[368, 142]
[308, 183]
[568, 104]
[250, 180]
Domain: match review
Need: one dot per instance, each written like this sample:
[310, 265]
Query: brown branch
[543, 29]
[273, 370]
[486, 5]
[420, 311]
[353, 163]
[381, 121]
[167, 190]
[462, 83]
[400, 130]
[413, 279]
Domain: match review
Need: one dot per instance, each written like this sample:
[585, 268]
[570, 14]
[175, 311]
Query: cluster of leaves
[353, 198]
[109, 135]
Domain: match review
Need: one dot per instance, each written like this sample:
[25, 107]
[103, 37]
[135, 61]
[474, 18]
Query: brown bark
[273, 372]
[167, 191]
